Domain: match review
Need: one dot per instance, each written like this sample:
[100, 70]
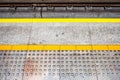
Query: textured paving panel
[60, 65]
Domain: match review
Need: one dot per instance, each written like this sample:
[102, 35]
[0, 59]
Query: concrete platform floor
[59, 33]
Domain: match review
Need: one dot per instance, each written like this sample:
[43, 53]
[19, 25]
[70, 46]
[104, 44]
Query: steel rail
[59, 4]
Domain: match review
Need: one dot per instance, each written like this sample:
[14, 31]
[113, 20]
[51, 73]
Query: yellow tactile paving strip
[59, 47]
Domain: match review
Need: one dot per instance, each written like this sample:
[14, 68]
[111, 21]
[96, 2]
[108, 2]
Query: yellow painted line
[114, 47]
[59, 47]
[5, 47]
[51, 47]
[19, 47]
[100, 47]
[26, 20]
[67, 47]
[35, 47]
[84, 47]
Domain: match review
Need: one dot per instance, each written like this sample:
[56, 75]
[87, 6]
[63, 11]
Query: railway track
[60, 1]
[59, 4]
[55, 8]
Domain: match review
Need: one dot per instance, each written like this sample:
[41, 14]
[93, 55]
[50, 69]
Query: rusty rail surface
[59, 4]
[59, 1]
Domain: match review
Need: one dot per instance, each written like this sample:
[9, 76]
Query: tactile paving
[60, 64]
